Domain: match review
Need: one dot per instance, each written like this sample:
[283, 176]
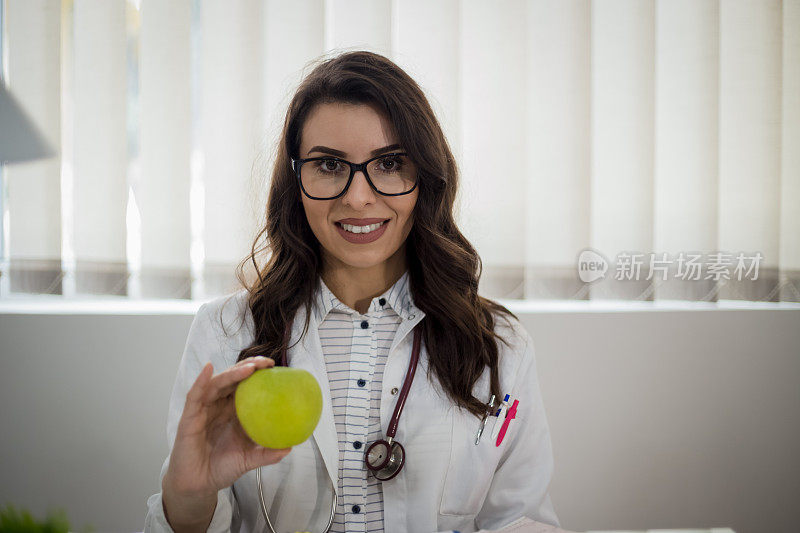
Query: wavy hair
[444, 268]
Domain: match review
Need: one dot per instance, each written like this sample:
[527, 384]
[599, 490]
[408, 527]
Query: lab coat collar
[307, 354]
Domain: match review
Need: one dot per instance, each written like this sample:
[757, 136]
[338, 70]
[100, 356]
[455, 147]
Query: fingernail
[260, 358]
[249, 365]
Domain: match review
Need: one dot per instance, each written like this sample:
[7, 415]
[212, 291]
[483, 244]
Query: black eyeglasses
[329, 177]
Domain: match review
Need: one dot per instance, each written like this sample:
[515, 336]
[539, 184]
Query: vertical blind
[628, 136]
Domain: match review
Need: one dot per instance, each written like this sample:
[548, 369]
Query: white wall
[659, 419]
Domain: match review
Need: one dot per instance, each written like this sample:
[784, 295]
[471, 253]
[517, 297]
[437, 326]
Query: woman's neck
[356, 287]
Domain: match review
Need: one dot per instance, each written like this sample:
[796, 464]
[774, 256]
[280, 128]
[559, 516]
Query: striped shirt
[355, 347]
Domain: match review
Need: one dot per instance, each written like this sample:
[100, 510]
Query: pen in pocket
[512, 413]
[501, 414]
[489, 409]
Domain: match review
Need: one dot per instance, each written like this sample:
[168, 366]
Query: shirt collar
[398, 297]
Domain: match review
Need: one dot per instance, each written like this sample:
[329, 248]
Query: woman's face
[357, 131]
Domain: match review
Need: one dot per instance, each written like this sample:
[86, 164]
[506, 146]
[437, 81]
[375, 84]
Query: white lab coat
[448, 482]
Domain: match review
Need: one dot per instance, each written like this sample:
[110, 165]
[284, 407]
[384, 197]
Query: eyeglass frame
[354, 167]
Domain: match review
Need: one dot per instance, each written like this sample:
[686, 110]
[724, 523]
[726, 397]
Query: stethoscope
[384, 458]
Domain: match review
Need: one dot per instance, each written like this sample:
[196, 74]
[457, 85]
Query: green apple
[278, 407]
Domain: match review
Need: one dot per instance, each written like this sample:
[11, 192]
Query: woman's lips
[362, 238]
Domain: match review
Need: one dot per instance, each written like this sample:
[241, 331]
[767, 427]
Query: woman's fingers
[260, 456]
[196, 394]
[208, 387]
[253, 359]
[225, 382]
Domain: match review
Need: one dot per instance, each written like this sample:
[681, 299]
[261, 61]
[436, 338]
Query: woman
[364, 257]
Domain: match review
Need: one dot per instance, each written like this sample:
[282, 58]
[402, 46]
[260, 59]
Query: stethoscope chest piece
[385, 459]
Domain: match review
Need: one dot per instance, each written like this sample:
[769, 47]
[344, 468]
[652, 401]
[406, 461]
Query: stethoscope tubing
[266, 515]
[401, 401]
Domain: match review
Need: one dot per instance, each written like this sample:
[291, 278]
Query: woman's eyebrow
[339, 153]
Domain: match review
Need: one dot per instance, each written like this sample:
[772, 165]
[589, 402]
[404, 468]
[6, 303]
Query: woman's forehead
[355, 129]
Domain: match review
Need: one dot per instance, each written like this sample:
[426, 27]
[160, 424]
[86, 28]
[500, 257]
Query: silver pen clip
[483, 422]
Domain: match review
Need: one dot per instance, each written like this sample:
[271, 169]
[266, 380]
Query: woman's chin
[360, 259]
[363, 264]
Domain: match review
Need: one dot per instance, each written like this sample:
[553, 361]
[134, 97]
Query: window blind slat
[790, 154]
[34, 188]
[750, 138]
[233, 120]
[686, 138]
[622, 137]
[556, 160]
[99, 178]
[494, 162]
[162, 186]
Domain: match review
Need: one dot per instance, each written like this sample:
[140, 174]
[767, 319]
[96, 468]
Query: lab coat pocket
[471, 467]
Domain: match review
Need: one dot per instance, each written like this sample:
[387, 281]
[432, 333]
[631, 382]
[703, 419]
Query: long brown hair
[444, 268]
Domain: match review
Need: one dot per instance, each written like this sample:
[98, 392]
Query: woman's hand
[211, 449]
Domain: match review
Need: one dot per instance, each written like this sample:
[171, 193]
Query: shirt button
[356, 509]
[382, 301]
[394, 390]
[411, 317]
[364, 324]
[362, 382]
[357, 444]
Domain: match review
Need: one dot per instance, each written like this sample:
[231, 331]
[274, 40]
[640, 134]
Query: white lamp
[19, 138]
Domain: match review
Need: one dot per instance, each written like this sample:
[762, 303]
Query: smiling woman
[364, 255]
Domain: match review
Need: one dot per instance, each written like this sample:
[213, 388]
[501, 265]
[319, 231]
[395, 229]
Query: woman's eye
[390, 164]
[329, 165]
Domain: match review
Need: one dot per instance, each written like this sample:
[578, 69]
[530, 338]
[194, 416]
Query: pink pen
[512, 412]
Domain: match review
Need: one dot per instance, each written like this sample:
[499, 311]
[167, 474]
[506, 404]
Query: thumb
[260, 456]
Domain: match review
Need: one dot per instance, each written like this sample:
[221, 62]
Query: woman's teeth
[362, 229]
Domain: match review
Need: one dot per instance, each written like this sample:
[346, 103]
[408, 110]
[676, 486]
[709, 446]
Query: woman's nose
[359, 192]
